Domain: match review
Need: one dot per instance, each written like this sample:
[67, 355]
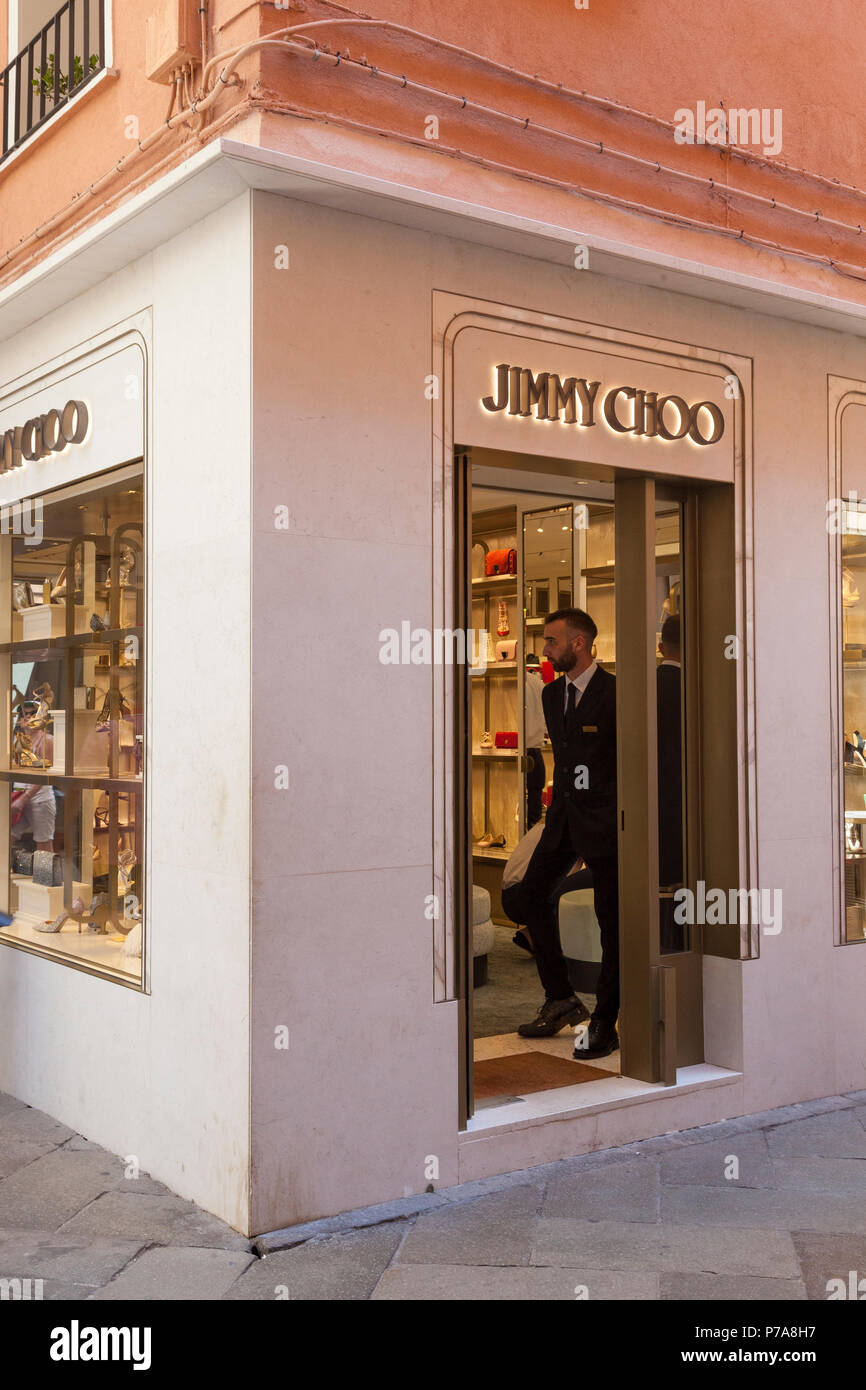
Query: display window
[853, 580]
[74, 774]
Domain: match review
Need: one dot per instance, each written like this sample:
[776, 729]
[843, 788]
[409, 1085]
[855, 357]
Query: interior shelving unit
[97, 725]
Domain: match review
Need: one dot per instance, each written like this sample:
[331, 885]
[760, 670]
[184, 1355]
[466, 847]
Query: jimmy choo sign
[43, 435]
[625, 409]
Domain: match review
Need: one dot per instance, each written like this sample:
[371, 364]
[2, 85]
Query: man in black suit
[580, 712]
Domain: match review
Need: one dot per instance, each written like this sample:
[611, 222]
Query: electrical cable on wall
[296, 40]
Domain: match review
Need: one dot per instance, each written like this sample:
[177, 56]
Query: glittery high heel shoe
[74, 914]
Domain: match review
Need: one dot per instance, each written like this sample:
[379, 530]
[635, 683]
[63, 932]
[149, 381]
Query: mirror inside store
[73, 667]
[544, 878]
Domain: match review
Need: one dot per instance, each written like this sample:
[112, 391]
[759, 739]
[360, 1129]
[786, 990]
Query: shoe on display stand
[502, 627]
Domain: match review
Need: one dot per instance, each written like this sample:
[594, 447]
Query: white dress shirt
[580, 683]
[534, 727]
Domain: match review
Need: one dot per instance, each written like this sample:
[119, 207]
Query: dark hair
[670, 634]
[578, 620]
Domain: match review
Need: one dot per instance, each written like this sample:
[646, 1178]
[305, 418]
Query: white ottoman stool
[483, 934]
[580, 938]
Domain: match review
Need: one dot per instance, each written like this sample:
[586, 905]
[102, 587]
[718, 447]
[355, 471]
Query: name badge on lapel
[589, 728]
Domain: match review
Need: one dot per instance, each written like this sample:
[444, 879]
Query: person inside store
[581, 822]
[533, 723]
[512, 893]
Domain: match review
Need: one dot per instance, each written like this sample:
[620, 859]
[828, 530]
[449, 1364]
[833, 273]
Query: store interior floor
[511, 996]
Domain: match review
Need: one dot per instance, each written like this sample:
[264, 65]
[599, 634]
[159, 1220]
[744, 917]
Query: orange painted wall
[86, 141]
[782, 54]
[792, 54]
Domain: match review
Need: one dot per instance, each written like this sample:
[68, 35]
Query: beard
[563, 664]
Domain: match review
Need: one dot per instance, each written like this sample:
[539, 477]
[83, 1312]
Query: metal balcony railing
[54, 67]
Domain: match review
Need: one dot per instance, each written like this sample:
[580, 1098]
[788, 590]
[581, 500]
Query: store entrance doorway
[624, 550]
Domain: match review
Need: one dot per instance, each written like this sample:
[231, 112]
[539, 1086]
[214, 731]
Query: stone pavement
[768, 1206]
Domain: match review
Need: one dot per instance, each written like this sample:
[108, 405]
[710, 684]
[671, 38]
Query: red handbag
[500, 562]
[506, 740]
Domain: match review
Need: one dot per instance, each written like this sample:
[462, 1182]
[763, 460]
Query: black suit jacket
[588, 811]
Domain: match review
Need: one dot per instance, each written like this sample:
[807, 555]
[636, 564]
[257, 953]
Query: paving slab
[821, 1174]
[826, 1257]
[622, 1192]
[8, 1103]
[173, 1274]
[17, 1153]
[705, 1165]
[494, 1230]
[158, 1220]
[22, 1122]
[838, 1134]
[466, 1283]
[640, 1247]
[739, 1288]
[54, 1290]
[53, 1188]
[345, 1267]
[46, 1255]
[784, 1209]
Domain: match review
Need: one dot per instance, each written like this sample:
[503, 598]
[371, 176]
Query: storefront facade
[297, 1042]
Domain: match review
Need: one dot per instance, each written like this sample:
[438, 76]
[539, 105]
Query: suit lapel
[557, 713]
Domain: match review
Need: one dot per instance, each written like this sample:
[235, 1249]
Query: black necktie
[571, 710]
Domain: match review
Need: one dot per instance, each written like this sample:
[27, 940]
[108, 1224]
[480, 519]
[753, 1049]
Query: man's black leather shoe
[553, 1017]
[596, 1041]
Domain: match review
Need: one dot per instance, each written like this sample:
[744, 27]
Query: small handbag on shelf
[506, 651]
[22, 861]
[500, 562]
[506, 739]
[47, 868]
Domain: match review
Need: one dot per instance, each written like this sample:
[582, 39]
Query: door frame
[451, 314]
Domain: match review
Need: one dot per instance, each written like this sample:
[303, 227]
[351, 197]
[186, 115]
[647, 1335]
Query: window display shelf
[495, 753]
[78, 639]
[493, 666]
[84, 779]
[495, 583]
[501, 855]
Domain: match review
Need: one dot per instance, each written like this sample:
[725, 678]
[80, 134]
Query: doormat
[522, 1072]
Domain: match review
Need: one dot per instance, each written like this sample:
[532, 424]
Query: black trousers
[535, 902]
[534, 786]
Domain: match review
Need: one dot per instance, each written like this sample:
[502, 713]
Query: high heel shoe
[45, 695]
[23, 754]
[75, 914]
[114, 706]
